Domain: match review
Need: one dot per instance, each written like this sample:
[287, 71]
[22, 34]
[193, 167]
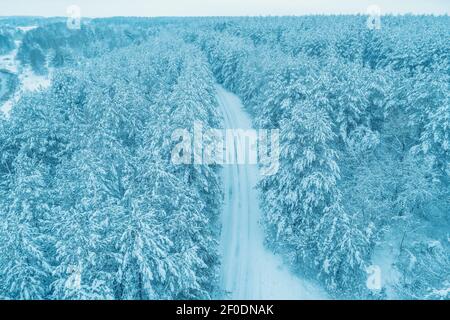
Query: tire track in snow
[249, 270]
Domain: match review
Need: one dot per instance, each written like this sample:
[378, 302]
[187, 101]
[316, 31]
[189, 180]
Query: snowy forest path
[249, 270]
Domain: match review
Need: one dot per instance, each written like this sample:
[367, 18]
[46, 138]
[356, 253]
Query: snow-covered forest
[91, 206]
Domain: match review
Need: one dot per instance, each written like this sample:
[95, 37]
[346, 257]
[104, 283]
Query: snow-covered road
[249, 270]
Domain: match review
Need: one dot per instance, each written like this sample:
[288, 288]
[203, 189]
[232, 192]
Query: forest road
[249, 270]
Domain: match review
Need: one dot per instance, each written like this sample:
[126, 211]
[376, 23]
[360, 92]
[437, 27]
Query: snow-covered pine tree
[24, 266]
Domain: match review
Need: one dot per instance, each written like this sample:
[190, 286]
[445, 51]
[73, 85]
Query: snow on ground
[3, 83]
[249, 270]
[32, 82]
[28, 81]
[6, 107]
[384, 257]
[27, 28]
[8, 61]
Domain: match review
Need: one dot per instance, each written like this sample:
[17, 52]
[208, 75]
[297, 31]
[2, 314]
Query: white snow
[32, 82]
[28, 81]
[249, 270]
[9, 61]
[384, 256]
[6, 107]
[27, 28]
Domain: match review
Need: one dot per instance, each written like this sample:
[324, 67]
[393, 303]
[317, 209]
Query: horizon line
[237, 16]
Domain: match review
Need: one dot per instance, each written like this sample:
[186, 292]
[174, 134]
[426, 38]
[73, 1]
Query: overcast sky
[102, 8]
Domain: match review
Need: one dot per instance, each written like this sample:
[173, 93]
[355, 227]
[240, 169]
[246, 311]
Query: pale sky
[152, 8]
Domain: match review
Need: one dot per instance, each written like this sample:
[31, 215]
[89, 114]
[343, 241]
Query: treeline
[90, 205]
[364, 121]
[54, 45]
